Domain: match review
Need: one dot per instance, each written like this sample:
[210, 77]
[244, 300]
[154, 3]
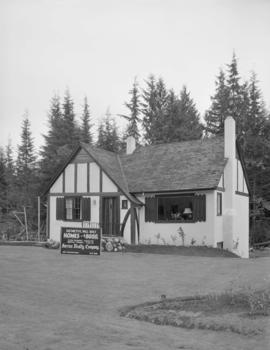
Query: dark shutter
[86, 209]
[150, 209]
[199, 208]
[60, 208]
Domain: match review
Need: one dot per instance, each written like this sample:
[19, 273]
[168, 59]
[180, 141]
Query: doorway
[111, 216]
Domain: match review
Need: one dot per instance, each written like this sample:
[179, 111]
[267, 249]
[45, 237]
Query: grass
[234, 312]
[50, 301]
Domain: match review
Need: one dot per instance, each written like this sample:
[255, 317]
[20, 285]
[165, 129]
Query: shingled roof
[188, 165]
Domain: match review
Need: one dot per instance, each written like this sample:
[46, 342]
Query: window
[219, 204]
[175, 208]
[124, 204]
[73, 208]
[178, 208]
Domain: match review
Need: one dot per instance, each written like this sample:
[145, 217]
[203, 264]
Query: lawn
[49, 301]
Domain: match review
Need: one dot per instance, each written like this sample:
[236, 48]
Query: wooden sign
[76, 240]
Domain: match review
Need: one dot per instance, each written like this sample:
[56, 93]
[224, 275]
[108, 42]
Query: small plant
[174, 239]
[235, 243]
[181, 234]
[193, 241]
[157, 237]
[203, 241]
[258, 302]
[163, 241]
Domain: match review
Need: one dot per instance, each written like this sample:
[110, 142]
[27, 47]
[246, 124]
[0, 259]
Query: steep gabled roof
[111, 165]
[189, 165]
[175, 166]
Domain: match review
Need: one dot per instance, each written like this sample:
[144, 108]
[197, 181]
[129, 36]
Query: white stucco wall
[94, 173]
[107, 184]
[57, 187]
[218, 220]
[69, 178]
[95, 200]
[82, 177]
[201, 232]
[241, 234]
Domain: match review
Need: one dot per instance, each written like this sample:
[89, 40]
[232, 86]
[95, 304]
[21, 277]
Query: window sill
[175, 221]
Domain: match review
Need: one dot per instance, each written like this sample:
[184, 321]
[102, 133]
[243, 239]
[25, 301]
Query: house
[150, 194]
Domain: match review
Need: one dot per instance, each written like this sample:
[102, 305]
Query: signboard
[76, 240]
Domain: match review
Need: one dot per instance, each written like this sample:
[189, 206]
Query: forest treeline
[154, 114]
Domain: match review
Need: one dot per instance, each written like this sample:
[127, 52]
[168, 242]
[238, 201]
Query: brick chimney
[131, 144]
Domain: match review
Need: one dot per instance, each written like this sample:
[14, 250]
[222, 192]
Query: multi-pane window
[175, 208]
[73, 208]
[178, 208]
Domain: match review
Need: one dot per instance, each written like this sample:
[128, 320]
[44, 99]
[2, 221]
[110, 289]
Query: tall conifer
[133, 116]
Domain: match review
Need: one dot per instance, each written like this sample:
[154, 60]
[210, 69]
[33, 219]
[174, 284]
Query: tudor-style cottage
[150, 192]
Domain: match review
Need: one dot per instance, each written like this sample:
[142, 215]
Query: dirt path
[49, 301]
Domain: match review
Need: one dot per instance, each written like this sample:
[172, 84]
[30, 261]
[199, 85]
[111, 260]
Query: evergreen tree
[134, 112]
[3, 181]
[219, 110]
[26, 164]
[154, 109]
[10, 177]
[149, 108]
[161, 107]
[108, 137]
[70, 130]
[54, 141]
[188, 126]
[86, 135]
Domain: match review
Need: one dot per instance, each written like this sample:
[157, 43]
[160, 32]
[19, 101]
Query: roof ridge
[204, 139]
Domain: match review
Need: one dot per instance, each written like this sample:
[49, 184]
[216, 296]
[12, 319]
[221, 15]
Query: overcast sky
[97, 47]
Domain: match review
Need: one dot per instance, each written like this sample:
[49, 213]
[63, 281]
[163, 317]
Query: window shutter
[150, 209]
[60, 208]
[86, 209]
[199, 208]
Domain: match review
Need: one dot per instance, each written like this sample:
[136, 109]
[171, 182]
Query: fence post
[25, 221]
[38, 219]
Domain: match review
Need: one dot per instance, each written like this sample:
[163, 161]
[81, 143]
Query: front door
[110, 216]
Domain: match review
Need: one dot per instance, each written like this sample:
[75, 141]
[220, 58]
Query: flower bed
[113, 244]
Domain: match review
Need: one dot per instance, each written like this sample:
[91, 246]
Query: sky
[96, 48]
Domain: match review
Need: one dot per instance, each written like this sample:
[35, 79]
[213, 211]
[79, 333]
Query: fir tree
[10, 177]
[3, 181]
[134, 112]
[188, 126]
[161, 107]
[219, 110]
[26, 164]
[86, 135]
[149, 108]
[108, 137]
[70, 131]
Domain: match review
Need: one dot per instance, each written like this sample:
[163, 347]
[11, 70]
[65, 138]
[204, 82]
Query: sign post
[77, 240]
